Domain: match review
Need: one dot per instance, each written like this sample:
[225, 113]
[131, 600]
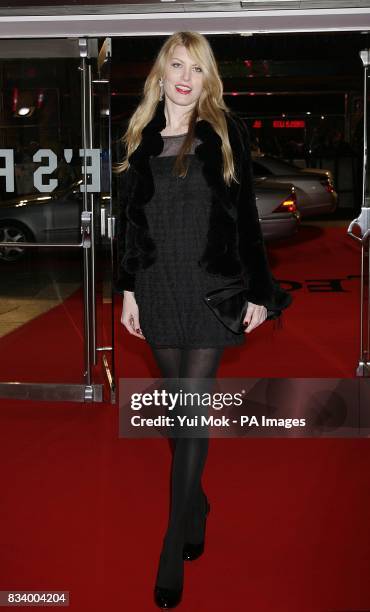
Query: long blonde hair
[210, 105]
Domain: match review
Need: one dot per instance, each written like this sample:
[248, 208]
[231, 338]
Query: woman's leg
[168, 360]
[189, 458]
[198, 363]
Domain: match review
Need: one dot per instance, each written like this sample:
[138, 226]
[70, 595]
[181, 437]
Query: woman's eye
[197, 68]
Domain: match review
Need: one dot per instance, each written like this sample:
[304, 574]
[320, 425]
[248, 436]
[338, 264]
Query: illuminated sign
[294, 123]
[281, 123]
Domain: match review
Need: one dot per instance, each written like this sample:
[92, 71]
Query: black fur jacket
[234, 245]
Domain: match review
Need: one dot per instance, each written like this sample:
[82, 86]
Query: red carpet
[288, 531]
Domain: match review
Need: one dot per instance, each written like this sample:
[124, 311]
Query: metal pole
[363, 223]
[87, 340]
[92, 201]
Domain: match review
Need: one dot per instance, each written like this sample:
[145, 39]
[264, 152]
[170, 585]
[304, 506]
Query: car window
[279, 166]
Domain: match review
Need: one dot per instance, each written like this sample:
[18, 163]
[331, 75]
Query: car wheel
[11, 232]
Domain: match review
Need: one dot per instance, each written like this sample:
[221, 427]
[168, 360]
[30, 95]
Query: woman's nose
[186, 74]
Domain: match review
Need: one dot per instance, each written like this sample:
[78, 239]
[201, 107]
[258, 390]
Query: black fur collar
[152, 142]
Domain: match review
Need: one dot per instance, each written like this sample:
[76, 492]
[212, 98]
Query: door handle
[363, 222]
[86, 228]
[102, 221]
[111, 227]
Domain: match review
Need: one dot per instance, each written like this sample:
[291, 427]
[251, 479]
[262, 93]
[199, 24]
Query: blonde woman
[188, 222]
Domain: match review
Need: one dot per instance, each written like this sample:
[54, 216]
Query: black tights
[188, 460]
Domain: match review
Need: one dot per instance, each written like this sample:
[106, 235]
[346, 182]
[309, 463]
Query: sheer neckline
[173, 135]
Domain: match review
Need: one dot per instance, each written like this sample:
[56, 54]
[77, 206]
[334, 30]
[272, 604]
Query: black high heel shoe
[190, 551]
[167, 597]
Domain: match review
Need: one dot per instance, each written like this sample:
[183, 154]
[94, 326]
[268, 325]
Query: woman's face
[183, 77]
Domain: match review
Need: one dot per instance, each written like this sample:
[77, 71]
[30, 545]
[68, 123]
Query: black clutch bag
[229, 304]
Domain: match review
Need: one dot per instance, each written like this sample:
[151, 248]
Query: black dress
[169, 293]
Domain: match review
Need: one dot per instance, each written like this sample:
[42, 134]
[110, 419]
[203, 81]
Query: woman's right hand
[130, 314]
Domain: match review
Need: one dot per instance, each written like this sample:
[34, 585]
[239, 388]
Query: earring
[161, 89]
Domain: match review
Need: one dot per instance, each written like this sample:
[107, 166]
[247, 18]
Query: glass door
[54, 187]
[105, 222]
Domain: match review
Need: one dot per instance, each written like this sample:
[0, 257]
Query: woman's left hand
[255, 315]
